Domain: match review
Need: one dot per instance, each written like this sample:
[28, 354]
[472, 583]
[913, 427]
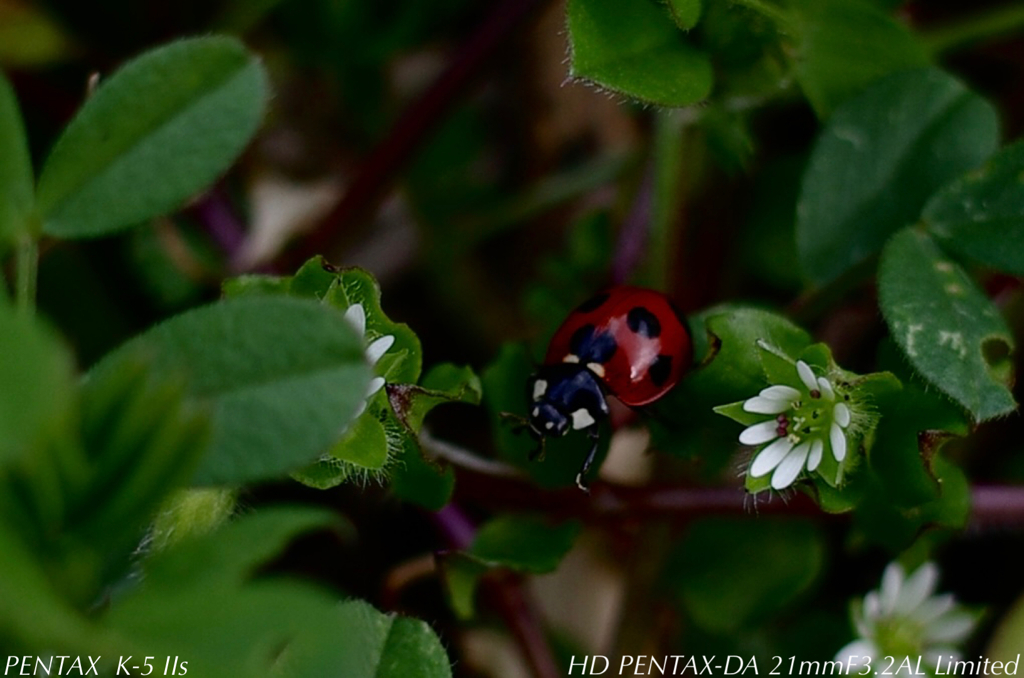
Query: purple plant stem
[390, 156]
[456, 526]
[216, 216]
[635, 230]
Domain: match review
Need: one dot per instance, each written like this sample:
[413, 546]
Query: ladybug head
[565, 396]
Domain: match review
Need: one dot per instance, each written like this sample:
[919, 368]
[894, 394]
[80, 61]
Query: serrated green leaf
[685, 13]
[634, 48]
[36, 385]
[949, 330]
[445, 383]
[16, 180]
[154, 134]
[283, 376]
[524, 542]
[881, 156]
[843, 45]
[732, 573]
[981, 214]
[403, 361]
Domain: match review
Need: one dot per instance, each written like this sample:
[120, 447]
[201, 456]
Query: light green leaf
[948, 329]
[635, 48]
[36, 385]
[388, 646]
[981, 215]
[843, 45]
[283, 376]
[16, 179]
[685, 13]
[154, 134]
[882, 155]
[524, 542]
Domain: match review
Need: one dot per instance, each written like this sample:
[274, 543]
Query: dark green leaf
[981, 215]
[635, 48]
[445, 383]
[284, 377]
[948, 329]
[415, 479]
[843, 45]
[731, 573]
[879, 159]
[16, 179]
[36, 384]
[524, 542]
[154, 134]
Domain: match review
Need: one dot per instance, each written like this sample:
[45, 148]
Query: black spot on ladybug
[593, 303]
[592, 347]
[661, 369]
[643, 322]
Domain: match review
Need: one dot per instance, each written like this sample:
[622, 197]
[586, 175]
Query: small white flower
[904, 618]
[805, 421]
[356, 316]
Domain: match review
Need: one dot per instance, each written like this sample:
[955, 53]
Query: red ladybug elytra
[627, 341]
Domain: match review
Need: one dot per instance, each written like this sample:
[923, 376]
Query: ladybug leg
[538, 453]
[581, 477]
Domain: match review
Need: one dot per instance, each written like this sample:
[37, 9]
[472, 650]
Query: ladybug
[629, 342]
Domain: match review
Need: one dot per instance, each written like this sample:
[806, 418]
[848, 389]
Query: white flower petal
[356, 316]
[917, 588]
[770, 457]
[760, 433]
[838, 440]
[950, 628]
[856, 654]
[872, 607]
[892, 582]
[841, 415]
[806, 375]
[825, 386]
[379, 347]
[817, 452]
[759, 405]
[791, 466]
[376, 384]
[933, 608]
[780, 392]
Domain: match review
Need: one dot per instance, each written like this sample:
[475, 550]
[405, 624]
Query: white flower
[904, 618]
[807, 421]
[356, 316]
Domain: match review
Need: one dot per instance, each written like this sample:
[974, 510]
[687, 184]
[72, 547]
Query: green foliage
[384, 438]
[504, 391]
[16, 193]
[684, 12]
[732, 573]
[283, 377]
[525, 542]
[156, 133]
[949, 330]
[637, 49]
[879, 159]
[32, 357]
[844, 45]
[981, 215]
